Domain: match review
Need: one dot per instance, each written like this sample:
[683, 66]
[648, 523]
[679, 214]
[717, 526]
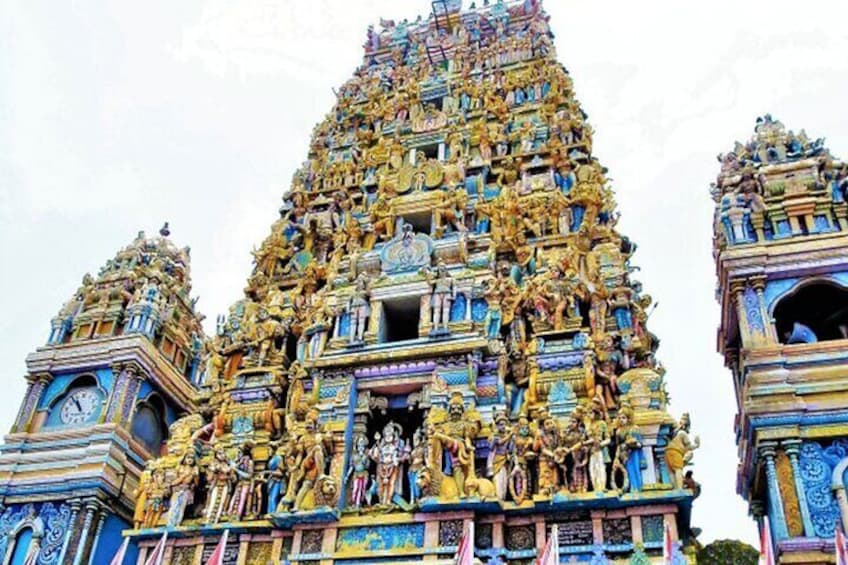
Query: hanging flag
[119, 556]
[465, 551]
[550, 554]
[217, 557]
[766, 550]
[839, 543]
[157, 554]
[668, 546]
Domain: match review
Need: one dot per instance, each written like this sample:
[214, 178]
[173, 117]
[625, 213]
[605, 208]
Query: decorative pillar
[119, 386]
[737, 289]
[778, 519]
[75, 507]
[664, 477]
[135, 378]
[770, 333]
[36, 386]
[97, 531]
[791, 447]
[90, 509]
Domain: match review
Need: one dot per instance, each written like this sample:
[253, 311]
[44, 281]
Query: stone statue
[444, 293]
[678, 453]
[388, 453]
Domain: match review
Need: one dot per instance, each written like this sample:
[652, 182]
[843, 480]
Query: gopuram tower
[440, 328]
[116, 372]
[781, 255]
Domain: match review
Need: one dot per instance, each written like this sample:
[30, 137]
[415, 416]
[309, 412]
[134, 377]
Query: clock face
[80, 406]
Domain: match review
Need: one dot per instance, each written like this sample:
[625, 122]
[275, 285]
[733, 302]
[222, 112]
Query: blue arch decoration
[777, 290]
[817, 464]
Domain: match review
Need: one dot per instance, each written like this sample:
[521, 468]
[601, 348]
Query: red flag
[217, 557]
[766, 549]
[839, 542]
[550, 554]
[465, 551]
[157, 554]
[668, 546]
[119, 556]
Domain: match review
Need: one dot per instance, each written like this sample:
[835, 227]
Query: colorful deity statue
[156, 493]
[628, 461]
[679, 451]
[519, 474]
[358, 471]
[244, 477]
[575, 443]
[359, 309]
[456, 436]
[444, 293]
[182, 484]
[546, 446]
[417, 462]
[389, 453]
[276, 478]
[501, 445]
[599, 441]
[219, 476]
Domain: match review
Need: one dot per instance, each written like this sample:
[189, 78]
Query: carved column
[119, 386]
[737, 290]
[767, 452]
[97, 531]
[75, 507]
[36, 386]
[791, 447]
[759, 285]
[90, 509]
[135, 378]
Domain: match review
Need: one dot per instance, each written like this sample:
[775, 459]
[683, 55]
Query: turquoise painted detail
[817, 464]
[381, 538]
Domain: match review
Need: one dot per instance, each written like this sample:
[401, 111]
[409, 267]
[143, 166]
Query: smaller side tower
[117, 370]
[781, 251]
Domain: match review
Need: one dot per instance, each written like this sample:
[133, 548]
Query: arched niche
[812, 310]
[24, 540]
[148, 424]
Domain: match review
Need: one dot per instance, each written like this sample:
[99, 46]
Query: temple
[781, 253]
[441, 328]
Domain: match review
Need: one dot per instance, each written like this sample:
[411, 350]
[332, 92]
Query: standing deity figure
[417, 460]
[219, 474]
[154, 500]
[358, 471]
[359, 309]
[628, 453]
[575, 448]
[444, 293]
[500, 446]
[456, 435]
[451, 209]
[519, 475]
[182, 486]
[493, 295]
[141, 493]
[599, 441]
[678, 454]
[276, 483]
[545, 447]
[388, 452]
[314, 458]
[243, 470]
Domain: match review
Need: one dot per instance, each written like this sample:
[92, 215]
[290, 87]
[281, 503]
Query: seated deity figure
[444, 293]
[389, 453]
[219, 475]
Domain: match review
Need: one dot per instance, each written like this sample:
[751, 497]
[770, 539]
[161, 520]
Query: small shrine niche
[401, 318]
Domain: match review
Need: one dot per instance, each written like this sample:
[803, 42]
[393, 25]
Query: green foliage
[728, 552]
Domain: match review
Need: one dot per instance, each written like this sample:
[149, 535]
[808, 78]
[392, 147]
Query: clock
[79, 406]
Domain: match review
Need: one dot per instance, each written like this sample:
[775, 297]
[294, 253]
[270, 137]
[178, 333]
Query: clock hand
[79, 406]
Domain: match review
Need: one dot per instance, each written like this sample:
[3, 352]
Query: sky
[117, 116]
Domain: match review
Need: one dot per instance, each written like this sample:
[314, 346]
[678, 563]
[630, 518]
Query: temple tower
[116, 371]
[781, 251]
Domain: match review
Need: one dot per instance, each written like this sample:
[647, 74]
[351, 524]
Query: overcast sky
[116, 116]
